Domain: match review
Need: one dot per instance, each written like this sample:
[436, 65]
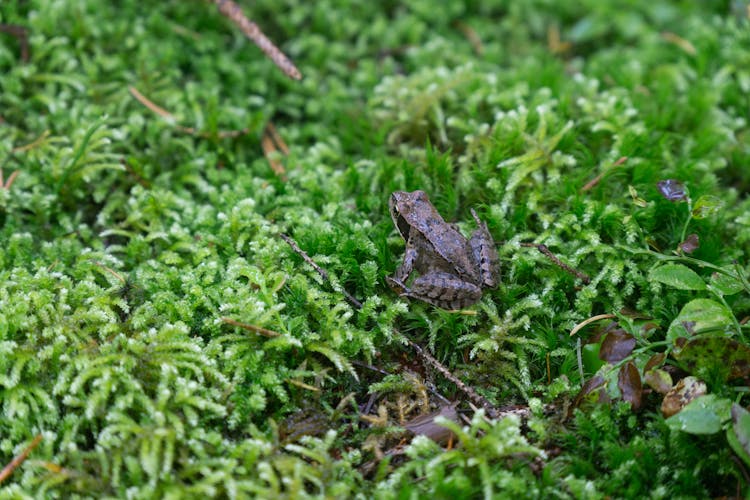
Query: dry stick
[170, 117]
[593, 182]
[585, 322]
[478, 399]
[270, 144]
[11, 178]
[277, 139]
[546, 251]
[18, 460]
[251, 30]
[323, 274]
[251, 328]
[471, 36]
[32, 144]
[22, 34]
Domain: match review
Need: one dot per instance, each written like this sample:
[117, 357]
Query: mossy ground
[126, 243]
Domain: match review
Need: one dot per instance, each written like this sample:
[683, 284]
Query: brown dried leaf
[425, 424]
[681, 394]
[691, 244]
[654, 361]
[591, 387]
[629, 382]
[616, 346]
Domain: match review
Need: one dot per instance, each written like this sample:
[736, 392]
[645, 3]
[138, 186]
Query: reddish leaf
[616, 346]
[590, 387]
[629, 382]
[654, 361]
[691, 243]
[672, 189]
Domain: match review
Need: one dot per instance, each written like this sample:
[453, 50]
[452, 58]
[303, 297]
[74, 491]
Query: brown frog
[452, 270]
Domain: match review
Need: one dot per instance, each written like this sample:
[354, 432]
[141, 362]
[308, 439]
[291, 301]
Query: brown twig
[22, 34]
[223, 134]
[18, 460]
[555, 43]
[251, 30]
[323, 274]
[585, 322]
[32, 144]
[478, 399]
[10, 180]
[139, 179]
[471, 36]
[272, 143]
[251, 328]
[680, 42]
[110, 271]
[593, 182]
[546, 251]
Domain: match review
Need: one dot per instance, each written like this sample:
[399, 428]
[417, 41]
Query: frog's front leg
[404, 270]
[485, 253]
[444, 290]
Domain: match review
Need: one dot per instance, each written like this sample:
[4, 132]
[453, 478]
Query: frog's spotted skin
[452, 270]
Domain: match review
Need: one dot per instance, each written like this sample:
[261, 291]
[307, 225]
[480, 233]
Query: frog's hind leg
[444, 290]
[485, 253]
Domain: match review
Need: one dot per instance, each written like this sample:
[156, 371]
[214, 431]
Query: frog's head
[403, 206]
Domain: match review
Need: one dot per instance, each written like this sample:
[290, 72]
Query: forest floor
[194, 250]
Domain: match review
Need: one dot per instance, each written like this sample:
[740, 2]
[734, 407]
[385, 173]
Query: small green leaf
[703, 415]
[706, 206]
[739, 434]
[659, 380]
[700, 316]
[724, 284]
[725, 358]
[678, 276]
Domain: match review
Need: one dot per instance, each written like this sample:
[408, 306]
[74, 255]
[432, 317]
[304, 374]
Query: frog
[453, 271]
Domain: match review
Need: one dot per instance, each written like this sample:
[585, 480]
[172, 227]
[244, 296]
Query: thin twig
[471, 36]
[272, 145]
[22, 34]
[546, 251]
[188, 130]
[18, 460]
[585, 322]
[251, 328]
[323, 274]
[11, 178]
[109, 270]
[478, 399]
[593, 182]
[251, 30]
[32, 144]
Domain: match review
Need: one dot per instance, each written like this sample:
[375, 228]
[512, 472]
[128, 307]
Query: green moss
[126, 243]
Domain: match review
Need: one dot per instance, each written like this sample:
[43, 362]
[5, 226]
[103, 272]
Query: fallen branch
[22, 34]
[18, 460]
[323, 274]
[251, 30]
[251, 328]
